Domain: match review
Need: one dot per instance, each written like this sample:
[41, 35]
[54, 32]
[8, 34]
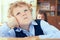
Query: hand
[12, 22]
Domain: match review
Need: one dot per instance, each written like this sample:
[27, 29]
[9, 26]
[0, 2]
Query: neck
[25, 27]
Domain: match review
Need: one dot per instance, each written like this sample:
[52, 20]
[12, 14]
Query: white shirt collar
[34, 23]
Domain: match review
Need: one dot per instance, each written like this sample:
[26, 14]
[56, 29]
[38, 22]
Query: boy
[24, 25]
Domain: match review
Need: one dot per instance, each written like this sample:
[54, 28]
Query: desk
[10, 39]
[22, 39]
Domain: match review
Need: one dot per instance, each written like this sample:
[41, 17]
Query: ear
[30, 7]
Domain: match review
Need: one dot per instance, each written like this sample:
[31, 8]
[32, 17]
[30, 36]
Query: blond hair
[15, 4]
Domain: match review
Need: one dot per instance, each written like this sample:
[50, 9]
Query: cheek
[19, 18]
[29, 13]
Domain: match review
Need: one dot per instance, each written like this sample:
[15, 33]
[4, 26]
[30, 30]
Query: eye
[25, 10]
[18, 13]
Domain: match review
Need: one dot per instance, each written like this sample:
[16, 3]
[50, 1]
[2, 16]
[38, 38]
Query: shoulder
[42, 21]
[4, 25]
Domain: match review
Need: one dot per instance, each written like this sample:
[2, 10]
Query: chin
[27, 22]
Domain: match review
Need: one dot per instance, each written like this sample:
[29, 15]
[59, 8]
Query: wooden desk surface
[22, 39]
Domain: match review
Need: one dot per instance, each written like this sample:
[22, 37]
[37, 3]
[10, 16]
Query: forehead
[20, 8]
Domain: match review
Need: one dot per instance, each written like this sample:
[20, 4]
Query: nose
[23, 14]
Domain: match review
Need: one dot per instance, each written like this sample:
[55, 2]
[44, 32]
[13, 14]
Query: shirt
[48, 30]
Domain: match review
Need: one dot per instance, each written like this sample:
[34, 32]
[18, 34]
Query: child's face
[23, 15]
[41, 16]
